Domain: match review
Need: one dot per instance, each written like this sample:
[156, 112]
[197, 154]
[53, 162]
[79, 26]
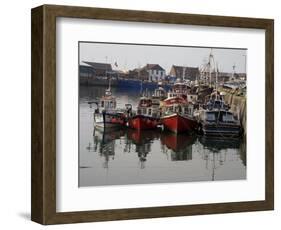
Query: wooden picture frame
[43, 202]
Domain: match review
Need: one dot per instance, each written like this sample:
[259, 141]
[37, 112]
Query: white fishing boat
[107, 115]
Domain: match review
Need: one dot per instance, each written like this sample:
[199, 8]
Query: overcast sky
[133, 56]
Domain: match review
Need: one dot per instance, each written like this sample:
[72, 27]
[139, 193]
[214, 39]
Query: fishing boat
[177, 115]
[218, 120]
[177, 111]
[107, 115]
[147, 115]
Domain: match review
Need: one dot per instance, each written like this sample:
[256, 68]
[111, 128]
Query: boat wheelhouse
[179, 89]
[216, 102]
[158, 96]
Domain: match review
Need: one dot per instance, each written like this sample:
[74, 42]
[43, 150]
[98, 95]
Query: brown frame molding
[43, 157]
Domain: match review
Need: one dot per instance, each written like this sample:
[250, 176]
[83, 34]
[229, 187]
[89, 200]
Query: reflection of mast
[142, 159]
[216, 148]
[214, 166]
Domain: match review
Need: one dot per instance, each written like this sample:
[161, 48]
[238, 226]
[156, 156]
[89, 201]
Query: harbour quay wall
[96, 81]
[128, 84]
[238, 104]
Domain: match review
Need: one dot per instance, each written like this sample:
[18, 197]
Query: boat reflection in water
[215, 152]
[176, 147]
[142, 141]
[104, 143]
[179, 146]
[125, 156]
[131, 156]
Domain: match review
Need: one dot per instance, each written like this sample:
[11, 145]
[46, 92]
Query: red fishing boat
[177, 112]
[178, 115]
[147, 116]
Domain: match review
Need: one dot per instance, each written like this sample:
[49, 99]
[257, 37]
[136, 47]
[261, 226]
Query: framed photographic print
[140, 114]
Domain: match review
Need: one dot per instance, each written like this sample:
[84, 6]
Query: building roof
[85, 67]
[153, 67]
[96, 65]
[188, 70]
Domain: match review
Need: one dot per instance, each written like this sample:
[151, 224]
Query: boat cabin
[179, 90]
[217, 105]
[177, 105]
[107, 102]
[146, 108]
[218, 116]
[159, 93]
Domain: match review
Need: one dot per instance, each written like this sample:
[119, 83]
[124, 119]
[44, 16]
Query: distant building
[99, 69]
[155, 72]
[86, 71]
[139, 74]
[150, 72]
[185, 72]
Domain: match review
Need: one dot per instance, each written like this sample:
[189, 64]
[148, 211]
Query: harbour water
[126, 156]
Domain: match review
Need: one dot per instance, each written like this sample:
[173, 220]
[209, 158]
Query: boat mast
[183, 73]
[216, 81]
[109, 84]
[210, 68]
[140, 78]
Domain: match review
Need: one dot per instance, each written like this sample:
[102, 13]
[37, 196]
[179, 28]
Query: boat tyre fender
[200, 129]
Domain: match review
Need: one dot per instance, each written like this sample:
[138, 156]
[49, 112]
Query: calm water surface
[128, 156]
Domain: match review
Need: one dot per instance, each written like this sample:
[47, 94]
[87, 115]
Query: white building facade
[155, 72]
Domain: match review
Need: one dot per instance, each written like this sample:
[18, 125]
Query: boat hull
[178, 123]
[108, 120]
[141, 122]
[221, 130]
